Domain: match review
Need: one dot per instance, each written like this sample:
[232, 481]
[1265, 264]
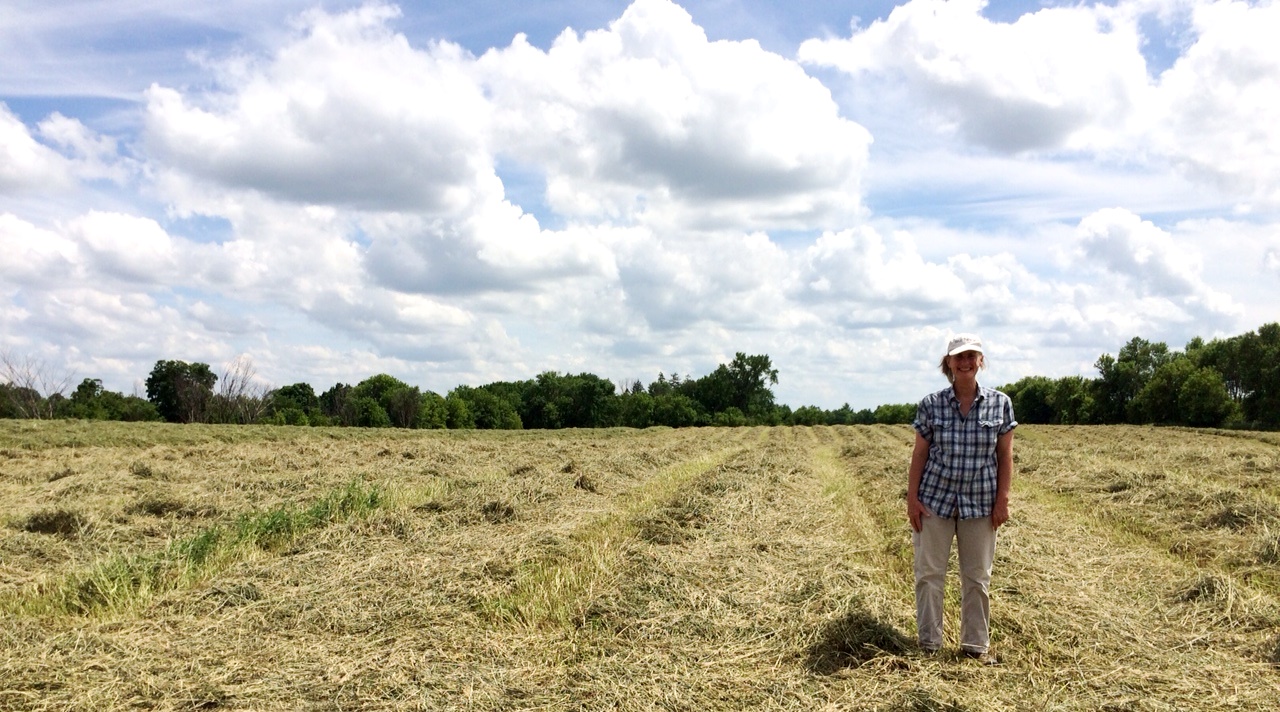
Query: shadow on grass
[853, 639]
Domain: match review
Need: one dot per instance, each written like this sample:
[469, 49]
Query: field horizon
[184, 567]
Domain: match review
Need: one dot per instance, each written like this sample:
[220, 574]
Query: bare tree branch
[32, 385]
[240, 398]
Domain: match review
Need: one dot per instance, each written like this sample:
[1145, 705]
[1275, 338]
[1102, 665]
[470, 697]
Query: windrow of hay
[561, 587]
[708, 569]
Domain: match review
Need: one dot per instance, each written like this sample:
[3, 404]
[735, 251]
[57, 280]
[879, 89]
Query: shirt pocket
[948, 434]
[991, 418]
[989, 426]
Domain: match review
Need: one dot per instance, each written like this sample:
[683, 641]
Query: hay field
[147, 566]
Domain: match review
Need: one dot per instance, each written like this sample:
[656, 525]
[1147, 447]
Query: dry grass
[677, 570]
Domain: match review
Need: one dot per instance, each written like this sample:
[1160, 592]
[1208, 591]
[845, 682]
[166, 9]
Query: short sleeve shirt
[959, 478]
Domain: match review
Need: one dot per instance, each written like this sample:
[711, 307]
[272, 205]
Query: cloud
[497, 249]
[639, 198]
[114, 323]
[650, 119]
[1072, 81]
[415, 328]
[33, 256]
[1218, 115]
[730, 280]
[1043, 82]
[26, 164]
[346, 114]
[92, 156]
[1144, 259]
[877, 282]
[224, 321]
[127, 247]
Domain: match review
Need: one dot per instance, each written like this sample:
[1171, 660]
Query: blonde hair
[945, 367]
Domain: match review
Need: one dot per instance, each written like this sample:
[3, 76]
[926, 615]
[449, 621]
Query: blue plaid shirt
[960, 475]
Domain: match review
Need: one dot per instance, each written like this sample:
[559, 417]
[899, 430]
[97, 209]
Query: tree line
[1223, 382]
[737, 393]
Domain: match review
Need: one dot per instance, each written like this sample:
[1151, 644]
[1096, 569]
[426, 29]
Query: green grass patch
[122, 583]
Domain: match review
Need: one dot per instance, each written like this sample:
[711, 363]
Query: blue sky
[456, 193]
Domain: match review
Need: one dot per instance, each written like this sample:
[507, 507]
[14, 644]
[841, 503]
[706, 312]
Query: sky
[461, 193]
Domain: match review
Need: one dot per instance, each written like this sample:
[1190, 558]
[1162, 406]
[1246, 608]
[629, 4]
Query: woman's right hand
[919, 457]
[915, 512]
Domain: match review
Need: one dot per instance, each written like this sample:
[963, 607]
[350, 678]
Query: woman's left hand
[999, 514]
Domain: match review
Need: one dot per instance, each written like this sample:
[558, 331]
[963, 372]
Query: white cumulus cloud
[1145, 260]
[1042, 82]
[27, 164]
[649, 117]
[132, 248]
[348, 114]
[1218, 115]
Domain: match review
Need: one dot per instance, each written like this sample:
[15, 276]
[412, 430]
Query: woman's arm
[919, 456]
[1004, 479]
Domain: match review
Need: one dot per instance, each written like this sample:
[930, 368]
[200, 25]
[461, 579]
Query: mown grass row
[558, 591]
[124, 582]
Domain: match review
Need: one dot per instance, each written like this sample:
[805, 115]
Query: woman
[958, 488]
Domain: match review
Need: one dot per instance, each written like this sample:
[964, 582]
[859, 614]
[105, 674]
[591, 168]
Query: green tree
[289, 416]
[1073, 401]
[1250, 369]
[636, 410]
[86, 401]
[487, 411]
[131, 409]
[808, 415]
[512, 393]
[370, 413]
[866, 416]
[1157, 402]
[338, 405]
[91, 401]
[403, 405]
[399, 401]
[585, 400]
[743, 384]
[376, 387]
[896, 414]
[181, 391]
[675, 410]
[715, 391]
[296, 396]
[730, 417]
[1033, 398]
[1122, 377]
[9, 402]
[434, 412]
[458, 412]
[843, 415]
[666, 386]
[1203, 399]
[752, 376]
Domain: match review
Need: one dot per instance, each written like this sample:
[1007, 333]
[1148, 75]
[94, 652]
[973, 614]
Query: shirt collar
[951, 394]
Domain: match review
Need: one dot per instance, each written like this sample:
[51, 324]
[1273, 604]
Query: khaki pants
[976, 549]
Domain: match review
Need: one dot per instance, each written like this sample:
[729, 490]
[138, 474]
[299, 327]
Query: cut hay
[702, 569]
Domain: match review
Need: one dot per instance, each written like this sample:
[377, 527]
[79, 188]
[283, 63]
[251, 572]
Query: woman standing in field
[958, 488]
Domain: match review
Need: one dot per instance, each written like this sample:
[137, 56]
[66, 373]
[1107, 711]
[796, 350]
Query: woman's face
[965, 365]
